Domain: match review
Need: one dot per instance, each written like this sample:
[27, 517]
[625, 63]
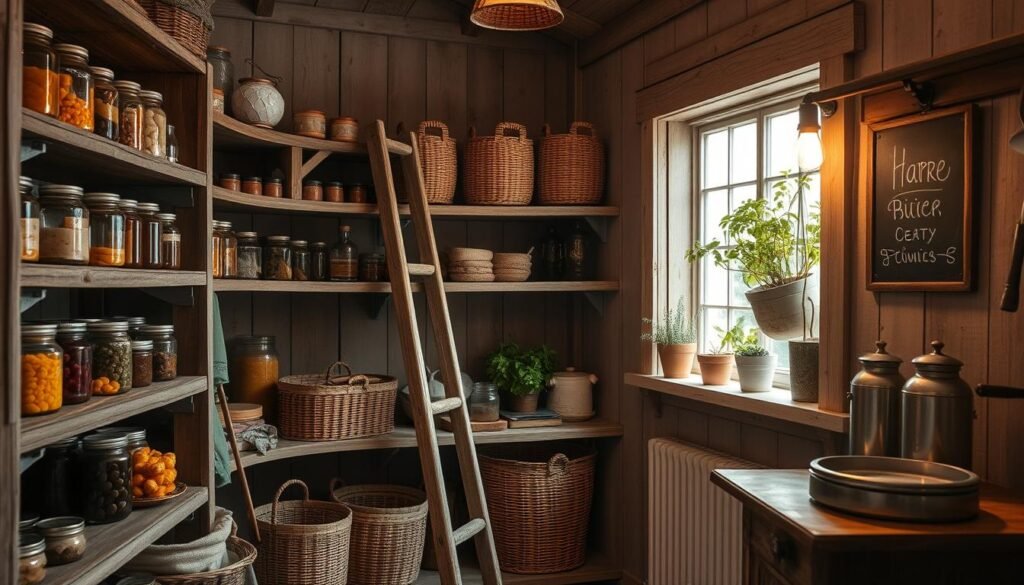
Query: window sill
[775, 404]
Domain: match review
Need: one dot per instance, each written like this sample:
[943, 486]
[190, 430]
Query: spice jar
[51, 481]
[484, 404]
[345, 129]
[77, 378]
[231, 181]
[172, 144]
[170, 241]
[111, 358]
[40, 81]
[31, 558]
[132, 233]
[29, 221]
[345, 257]
[131, 109]
[154, 123]
[252, 186]
[250, 256]
[356, 193]
[312, 190]
[105, 478]
[277, 259]
[217, 250]
[165, 351]
[272, 187]
[253, 371]
[106, 116]
[42, 371]
[106, 229]
[65, 539]
[76, 90]
[136, 436]
[222, 75]
[152, 235]
[142, 363]
[334, 192]
[312, 123]
[64, 235]
[372, 268]
[319, 261]
[300, 260]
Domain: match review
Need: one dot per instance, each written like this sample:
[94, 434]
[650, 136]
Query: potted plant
[716, 363]
[775, 245]
[676, 336]
[754, 364]
[521, 373]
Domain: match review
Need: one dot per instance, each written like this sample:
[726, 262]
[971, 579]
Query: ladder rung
[421, 269]
[468, 530]
[445, 405]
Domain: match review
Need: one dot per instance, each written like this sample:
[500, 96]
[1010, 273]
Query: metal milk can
[938, 411]
[875, 404]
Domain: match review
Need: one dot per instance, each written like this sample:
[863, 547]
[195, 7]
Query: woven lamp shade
[516, 14]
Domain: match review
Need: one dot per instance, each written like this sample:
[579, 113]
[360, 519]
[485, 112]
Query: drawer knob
[780, 546]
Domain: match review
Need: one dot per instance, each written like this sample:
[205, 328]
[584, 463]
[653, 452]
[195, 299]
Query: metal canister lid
[101, 198]
[26, 183]
[61, 526]
[30, 544]
[27, 521]
[142, 345]
[278, 239]
[157, 329]
[128, 204]
[166, 216]
[131, 86]
[880, 357]
[102, 73]
[102, 441]
[937, 361]
[54, 190]
[69, 49]
[109, 327]
[149, 207]
[39, 329]
[247, 235]
[31, 27]
[134, 434]
[72, 327]
[150, 95]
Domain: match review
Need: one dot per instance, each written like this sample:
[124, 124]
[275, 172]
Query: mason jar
[51, 480]
[42, 370]
[65, 539]
[300, 260]
[106, 116]
[170, 241]
[40, 80]
[152, 235]
[132, 233]
[76, 86]
[77, 379]
[31, 558]
[131, 109]
[320, 261]
[230, 252]
[165, 350]
[112, 358]
[105, 478]
[29, 220]
[106, 229]
[250, 256]
[277, 258]
[154, 123]
[64, 230]
[142, 363]
[217, 249]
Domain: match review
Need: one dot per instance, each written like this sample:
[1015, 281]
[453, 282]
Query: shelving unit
[306, 286]
[60, 276]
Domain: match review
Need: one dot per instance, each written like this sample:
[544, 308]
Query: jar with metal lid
[372, 268]
[52, 480]
[170, 241]
[334, 192]
[172, 144]
[76, 86]
[105, 482]
[40, 80]
[65, 539]
[319, 261]
[42, 370]
[250, 256]
[223, 72]
[132, 233]
[77, 380]
[106, 114]
[136, 436]
[31, 558]
[312, 190]
[252, 186]
[112, 358]
[64, 231]
[300, 260]
[154, 123]
[253, 370]
[152, 235]
[106, 229]
[272, 187]
[937, 411]
[277, 258]
[484, 404]
[129, 131]
[29, 220]
[230, 255]
[142, 363]
[165, 351]
[217, 250]
[134, 324]
[345, 257]
[356, 194]
[875, 404]
[27, 521]
[231, 181]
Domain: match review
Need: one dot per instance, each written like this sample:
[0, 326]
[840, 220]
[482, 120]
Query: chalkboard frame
[966, 282]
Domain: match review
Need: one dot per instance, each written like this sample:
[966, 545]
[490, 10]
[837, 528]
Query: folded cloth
[221, 455]
[262, 437]
[209, 553]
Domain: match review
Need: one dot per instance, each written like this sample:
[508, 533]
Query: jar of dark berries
[77, 362]
[105, 478]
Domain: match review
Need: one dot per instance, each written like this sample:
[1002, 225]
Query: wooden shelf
[593, 571]
[385, 288]
[233, 134]
[82, 158]
[405, 437]
[99, 411]
[110, 546]
[777, 404]
[63, 276]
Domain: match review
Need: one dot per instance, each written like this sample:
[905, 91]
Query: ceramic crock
[572, 394]
[257, 102]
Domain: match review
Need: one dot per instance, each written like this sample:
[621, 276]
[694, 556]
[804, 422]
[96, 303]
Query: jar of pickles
[132, 233]
[77, 380]
[111, 358]
[105, 481]
[277, 259]
[129, 131]
[42, 371]
[250, 256]
[106, 229]
[31, 558]
[64, 233]
[40, 79]
[152, 235]
[319, 261]
[165, 351]
[76, 86]
[154, 123]
[217, 249]
[29, 219]
[142, 363]
[106, 115]
[170, 241]
[230, 256]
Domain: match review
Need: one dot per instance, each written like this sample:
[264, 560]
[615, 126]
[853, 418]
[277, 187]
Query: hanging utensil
[1011, 291]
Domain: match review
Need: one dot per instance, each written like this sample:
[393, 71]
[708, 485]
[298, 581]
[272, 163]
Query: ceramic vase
[257, 102]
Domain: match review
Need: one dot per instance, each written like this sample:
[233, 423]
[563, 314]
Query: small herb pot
[677, 359]
[756, 372]
[715, 368]
[525, 403]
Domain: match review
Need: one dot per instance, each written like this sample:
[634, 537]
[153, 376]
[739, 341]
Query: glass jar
[272, 187]
[170, 241]
[319, 261]
[142, 363]
[223, 74]
[136, 436]
[131, 113]
[250, 256]
[76, 89]
[357, 194]
[252, 186]
[230, 255]
[345, 257]
[152, 235]
[40, 80]
[277, 259]
[231, 181]
[134, 324]
[42, 370]
[484, 404]
[64, 233]
[300, 260]
[29, 220]
[106, 229]
[111, 358]
[253, 371]
[132, 233]
[105, 478]
[345, 129]
[312, 190]
[577, 254]
[27, 521]
[172, 144]
[31, 558]
[334, 192]
[106, 115]
[77, 380]
[217, 250]
[165, 351]
[65, 539]
[372, 268]
[154, 123]
[51, 480]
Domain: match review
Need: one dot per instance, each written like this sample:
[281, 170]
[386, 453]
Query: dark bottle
[552, 256]
[577, 254]
[345, 257]
[49, 486]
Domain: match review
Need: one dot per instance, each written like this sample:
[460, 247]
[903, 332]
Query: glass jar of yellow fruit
[42, 370]
[76, 88]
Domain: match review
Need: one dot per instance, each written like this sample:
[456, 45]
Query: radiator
[694, 528]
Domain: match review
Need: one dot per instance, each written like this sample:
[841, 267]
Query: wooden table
[790, 540]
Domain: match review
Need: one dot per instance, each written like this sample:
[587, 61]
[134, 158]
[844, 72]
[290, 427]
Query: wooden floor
[594, 571]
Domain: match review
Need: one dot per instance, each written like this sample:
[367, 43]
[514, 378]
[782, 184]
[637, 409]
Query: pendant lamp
[516, 14]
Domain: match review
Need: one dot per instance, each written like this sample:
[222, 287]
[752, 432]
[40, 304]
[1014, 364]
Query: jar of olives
[112, 358]
[165, 351]
[31, 558]
[105, 478]
[77, 361]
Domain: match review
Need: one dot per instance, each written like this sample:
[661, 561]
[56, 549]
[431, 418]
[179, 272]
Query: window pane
[746, 315]
[741, 194]
[713, 318]
[737, 298]
[716, 282]
[781, 143]
[716, 159]
[744, 153]
[781, 349]
[716, 206]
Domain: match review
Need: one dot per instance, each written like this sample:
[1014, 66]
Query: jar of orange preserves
[42, 370]
[253, 370]
[106, 229]
[40, 83]
[76, 87]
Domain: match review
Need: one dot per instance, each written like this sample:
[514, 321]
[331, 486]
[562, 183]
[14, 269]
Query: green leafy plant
[771, 240]
[749, 344]
[735, 339]
[675, 327]
[521, 371]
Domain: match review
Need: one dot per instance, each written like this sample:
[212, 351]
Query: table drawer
[778, 550]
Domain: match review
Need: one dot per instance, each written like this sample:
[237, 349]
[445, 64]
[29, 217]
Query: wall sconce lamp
[808, 142]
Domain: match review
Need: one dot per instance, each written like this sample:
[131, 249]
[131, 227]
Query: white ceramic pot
[257, 102]
[756, 372]
[572, 394]
[779, 311]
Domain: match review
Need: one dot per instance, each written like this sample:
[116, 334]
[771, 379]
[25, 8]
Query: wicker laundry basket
[571, 167]
[243, 554]
[329, 407]
[438, 161]
[185, 27]
[498, 170]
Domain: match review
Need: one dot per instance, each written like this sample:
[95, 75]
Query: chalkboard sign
[919, 212]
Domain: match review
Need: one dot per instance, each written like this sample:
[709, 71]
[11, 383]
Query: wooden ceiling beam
[633, 23]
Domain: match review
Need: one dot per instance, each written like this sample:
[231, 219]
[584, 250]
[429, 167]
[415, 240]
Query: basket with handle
[183, 26]
[439, 160]
[389, 528]
[241, 554]
[333, 406]
[571, 166]
[304, 542]
[498, 170]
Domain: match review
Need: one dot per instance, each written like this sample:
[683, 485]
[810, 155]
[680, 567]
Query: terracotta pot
[677, 359]
[715, 368]
[527, 403]
[779, 311]
[803, 370]
[756, 372]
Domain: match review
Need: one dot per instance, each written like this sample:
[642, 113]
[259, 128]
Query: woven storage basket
[498, 170]
[539, 510]
[438, 160]
[233, 574]
[571, 166]
[328, 407]
[185, 27]
[303, 542]
[389, 527]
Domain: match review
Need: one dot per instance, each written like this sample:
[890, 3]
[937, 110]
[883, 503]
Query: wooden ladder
[428, 271]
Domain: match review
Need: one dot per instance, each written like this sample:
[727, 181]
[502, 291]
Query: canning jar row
[312, 189]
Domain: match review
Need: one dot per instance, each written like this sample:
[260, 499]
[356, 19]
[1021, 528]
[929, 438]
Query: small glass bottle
[334, 192]
[231, 181]
[345, 257]
[133, 250]
[154, 123]
[152, 235]
[42, 370]
[165, 351]
[105, 482]
[77, 381]
[76, 89]
[172, 144]
[484, 404]
[29, 220]
[106, 115]
[170, 241]
[106, 228]
[300, 260]
[129, 131]
[40, 79]
[577, 254]
[111, 358]
[252, 186]
[250, 256]
[142, 363]
[229, 258]
[31, 558]
[217, 250]
[64, 229]
[319, 261]
[277, 259]
[65, 539]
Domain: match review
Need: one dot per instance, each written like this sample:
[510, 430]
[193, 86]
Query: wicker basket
[498, 170]
[439, 161]
[328, 407]
[233, 574]
[571, 167]
[184, 27]
[539, 510]
[303, 542]
[389, 527]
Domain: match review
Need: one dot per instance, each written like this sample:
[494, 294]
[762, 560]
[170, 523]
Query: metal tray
[894, 506]
[895, 475]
